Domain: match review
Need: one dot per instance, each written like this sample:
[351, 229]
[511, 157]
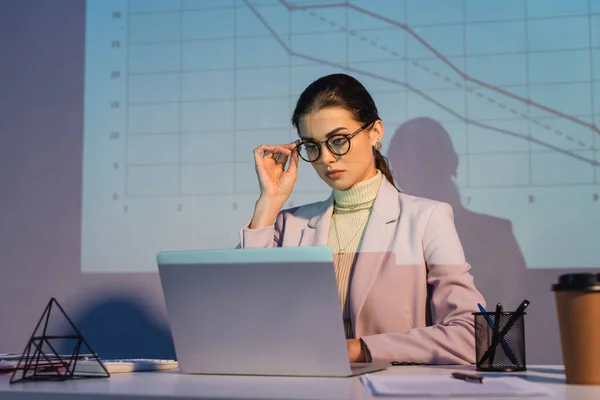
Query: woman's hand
[275, 180]
[355, 351]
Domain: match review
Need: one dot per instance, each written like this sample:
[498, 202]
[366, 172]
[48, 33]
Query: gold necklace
[342, 249]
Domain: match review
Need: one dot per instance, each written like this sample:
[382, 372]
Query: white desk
[173, 385]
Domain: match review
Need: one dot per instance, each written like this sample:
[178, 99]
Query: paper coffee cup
[578, 308]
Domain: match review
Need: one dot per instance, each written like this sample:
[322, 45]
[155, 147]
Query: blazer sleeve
[451, 338]
[269, 236]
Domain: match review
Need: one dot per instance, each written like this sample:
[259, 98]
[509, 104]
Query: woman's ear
[376, 132]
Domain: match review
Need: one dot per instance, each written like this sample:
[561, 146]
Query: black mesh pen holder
[501, 348]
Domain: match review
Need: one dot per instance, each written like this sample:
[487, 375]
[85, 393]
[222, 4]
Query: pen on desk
[467, 377]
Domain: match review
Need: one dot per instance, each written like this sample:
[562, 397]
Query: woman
[389, 247]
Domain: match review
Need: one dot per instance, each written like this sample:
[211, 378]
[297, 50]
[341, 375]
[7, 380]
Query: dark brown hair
[344, 91]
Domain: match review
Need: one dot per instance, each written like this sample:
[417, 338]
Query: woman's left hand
[355, 353]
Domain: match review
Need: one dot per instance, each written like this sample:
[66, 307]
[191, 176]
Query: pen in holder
[500, 341]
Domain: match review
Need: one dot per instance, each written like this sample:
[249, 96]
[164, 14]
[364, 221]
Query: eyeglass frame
[348, 137]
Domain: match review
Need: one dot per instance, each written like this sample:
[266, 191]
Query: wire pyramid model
[40, 360]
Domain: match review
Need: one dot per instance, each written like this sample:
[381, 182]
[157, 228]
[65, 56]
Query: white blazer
[409, 243]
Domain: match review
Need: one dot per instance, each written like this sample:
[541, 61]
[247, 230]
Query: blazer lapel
[316, 231]
[377, 239]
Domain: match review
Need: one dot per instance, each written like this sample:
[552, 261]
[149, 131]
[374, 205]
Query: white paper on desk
[17, 357]
[6, 365]
[9, 356]
[445, 386]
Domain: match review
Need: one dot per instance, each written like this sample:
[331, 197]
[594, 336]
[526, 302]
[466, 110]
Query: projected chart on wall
[491, 106]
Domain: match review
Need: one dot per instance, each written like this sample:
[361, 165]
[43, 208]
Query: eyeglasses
[310, 150]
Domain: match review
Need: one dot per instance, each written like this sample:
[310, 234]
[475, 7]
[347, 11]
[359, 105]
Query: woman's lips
[334, 174]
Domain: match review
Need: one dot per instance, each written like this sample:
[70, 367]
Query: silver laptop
[273, 311]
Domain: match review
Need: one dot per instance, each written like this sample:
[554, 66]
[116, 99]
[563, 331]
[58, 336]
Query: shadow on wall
[424, 162]
[122, 327]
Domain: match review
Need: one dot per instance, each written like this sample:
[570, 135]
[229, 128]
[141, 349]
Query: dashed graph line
[449, 80]
[279, 40]
[445, 60]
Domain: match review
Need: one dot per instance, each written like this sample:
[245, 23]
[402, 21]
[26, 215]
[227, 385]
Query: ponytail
[381, 163]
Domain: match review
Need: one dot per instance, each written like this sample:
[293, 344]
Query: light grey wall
[41, 121]
[123, 315]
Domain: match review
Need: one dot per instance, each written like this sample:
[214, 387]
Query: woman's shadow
[424, 162]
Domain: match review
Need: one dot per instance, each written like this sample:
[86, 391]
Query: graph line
[442, 58]
[460, 85]
[592, 162]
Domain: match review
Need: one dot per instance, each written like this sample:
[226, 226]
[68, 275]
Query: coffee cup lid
[586, 282]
